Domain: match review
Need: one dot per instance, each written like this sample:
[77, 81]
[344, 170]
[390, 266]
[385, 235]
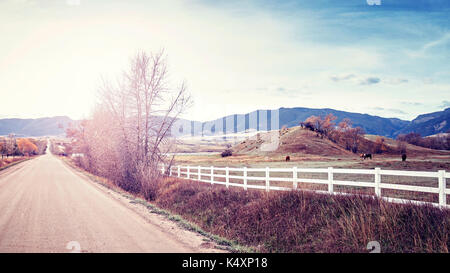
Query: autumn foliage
[322, 125]
[343, 134]
[27, 147]
[11, 146]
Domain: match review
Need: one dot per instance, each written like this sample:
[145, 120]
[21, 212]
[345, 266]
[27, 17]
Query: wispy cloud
[338, 78]
[444, 40]
[367, 80]
[445, 104]
[370, 80]
[395, 81]
[389, 110]
[411, 103]
[424, 50]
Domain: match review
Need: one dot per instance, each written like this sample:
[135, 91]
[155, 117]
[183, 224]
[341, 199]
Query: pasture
[313, 180]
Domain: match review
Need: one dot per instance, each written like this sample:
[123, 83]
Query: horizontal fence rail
[211, 174]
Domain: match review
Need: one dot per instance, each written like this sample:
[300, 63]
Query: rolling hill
[296, 140]
[291, 140]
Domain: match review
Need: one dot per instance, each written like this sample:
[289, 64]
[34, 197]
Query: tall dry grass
[306, 221]
[11, 160]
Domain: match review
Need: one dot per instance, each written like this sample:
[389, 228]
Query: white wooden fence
[197, 172]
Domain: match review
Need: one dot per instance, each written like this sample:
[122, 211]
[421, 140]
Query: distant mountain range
[426, 124]
[429, 124]
[35, 127]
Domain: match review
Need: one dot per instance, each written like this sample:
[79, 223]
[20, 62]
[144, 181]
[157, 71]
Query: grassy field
[422, 163]
[418, 163]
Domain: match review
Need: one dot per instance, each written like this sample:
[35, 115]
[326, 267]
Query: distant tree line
[438, 142]
[12, 146]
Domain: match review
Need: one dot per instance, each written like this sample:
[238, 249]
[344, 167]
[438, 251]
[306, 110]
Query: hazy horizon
[238, 113]
[389, 60]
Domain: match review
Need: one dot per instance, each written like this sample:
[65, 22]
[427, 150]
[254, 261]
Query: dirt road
[44, 205]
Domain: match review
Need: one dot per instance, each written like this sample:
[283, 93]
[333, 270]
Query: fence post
[294, 177]
[162, 169]
[188, 171]
[212, 175]
[170, 171]
[330, 179]
[178, 171]
[377, 182]
[227, 179]
[267, 180]
[442, 187]
[245, 178]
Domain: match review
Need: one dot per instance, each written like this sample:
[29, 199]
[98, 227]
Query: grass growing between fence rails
[306, 221]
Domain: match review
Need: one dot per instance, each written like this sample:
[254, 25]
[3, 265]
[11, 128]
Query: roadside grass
[15, 161]
[223, 243]
[307, 222]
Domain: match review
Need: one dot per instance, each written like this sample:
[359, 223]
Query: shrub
[401, 147]
[226, 153]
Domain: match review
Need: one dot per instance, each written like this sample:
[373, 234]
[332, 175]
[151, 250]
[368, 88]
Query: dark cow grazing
[403, 157]
[288, 158]
[364, 156]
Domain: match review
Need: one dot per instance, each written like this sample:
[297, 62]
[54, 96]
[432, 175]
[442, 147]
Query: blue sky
[391, 60]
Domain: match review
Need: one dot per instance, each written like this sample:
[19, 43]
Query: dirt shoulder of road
[184, 231]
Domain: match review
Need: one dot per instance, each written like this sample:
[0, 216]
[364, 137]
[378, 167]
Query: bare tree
[142, 108]
[3, 147]
[347, 136]
[380, 145]
[11, 145]
[401, 147]
[355, 135]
